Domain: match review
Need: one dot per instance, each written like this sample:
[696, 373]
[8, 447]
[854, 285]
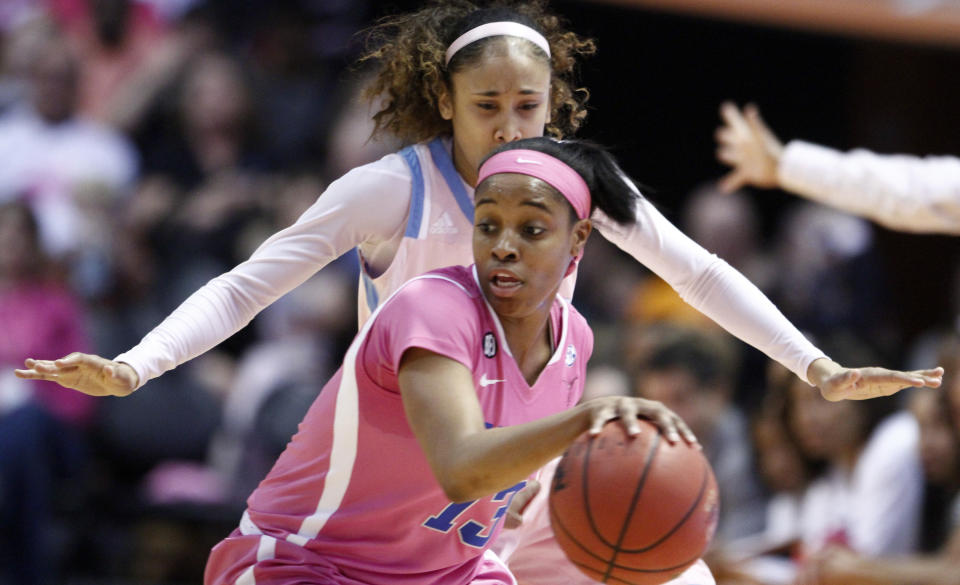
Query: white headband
[493, 29]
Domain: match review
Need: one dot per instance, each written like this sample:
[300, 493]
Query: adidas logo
[444, 225]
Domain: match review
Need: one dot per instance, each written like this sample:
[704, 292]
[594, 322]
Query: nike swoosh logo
[484, 381]
[527, 161]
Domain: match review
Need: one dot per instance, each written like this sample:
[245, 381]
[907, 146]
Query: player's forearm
[900, 192]
[494, 459]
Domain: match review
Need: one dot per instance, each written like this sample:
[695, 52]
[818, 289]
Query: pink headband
[548, 169]
[493, 29]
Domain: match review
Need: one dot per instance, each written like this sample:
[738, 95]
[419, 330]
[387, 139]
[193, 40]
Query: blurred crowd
[142, 155]
[148, 146]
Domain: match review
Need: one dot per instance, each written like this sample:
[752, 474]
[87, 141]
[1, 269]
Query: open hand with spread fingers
[87, 373]
[747, 144]
[839, 383]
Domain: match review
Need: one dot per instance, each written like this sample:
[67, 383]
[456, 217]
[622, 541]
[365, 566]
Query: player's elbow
[461, 485]
[457, 493]
[457, 489]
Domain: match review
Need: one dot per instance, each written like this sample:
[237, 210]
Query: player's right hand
[90, 374]
[629, 408]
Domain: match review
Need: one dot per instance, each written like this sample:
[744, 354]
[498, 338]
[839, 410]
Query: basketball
[633, 511]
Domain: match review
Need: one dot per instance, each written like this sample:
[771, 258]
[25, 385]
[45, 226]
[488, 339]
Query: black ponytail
[611, 190]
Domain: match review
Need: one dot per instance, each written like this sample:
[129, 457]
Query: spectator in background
[131, 54]
[939, 449]
[351, 140]
[207, 174]
[21, 41]
[113, 39]
[692, 372]
[951, 347]
[203, 194]
[864, 502]
[728, 225]
[940, 457]
[73, 172]
[828, 276]
[42, 438]
[783, 467]
[870, 494]
[767, 556]
[296, 84]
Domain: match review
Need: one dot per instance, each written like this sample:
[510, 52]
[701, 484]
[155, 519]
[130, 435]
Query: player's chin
[508, 306]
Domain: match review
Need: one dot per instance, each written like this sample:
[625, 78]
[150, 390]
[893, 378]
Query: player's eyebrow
[531, 202]
[536, 203]
[495, 93]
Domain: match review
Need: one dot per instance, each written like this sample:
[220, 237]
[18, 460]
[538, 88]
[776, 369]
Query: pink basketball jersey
[353, 492]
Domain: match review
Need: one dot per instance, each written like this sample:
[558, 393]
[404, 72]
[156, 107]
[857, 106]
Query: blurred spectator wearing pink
[39, 316]
[40, 442]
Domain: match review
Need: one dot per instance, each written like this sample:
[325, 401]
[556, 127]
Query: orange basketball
[633, 511]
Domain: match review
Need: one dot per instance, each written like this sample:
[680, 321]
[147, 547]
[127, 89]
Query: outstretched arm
[900, 192]
[726, 296]
[353, 210]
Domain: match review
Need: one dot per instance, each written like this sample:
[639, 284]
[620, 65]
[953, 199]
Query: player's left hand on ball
[519, 503]
[628, 409]
[839, 383]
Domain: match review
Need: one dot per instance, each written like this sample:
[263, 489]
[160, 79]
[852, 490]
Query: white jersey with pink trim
[353, 494]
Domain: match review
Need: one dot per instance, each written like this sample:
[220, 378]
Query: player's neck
[530, 341]
[467, 172]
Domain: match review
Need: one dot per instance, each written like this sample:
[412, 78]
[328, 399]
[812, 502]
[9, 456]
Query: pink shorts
[262, 560]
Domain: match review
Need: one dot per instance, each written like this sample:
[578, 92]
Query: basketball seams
[651, 455]
[585, 491]
[582, 566]
[573, 539]
[704, 482]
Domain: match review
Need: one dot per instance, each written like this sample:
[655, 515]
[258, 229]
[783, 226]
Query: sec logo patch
[489, 345]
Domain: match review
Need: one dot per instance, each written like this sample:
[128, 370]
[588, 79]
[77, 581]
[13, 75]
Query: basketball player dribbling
[405, 465]
[492, 76]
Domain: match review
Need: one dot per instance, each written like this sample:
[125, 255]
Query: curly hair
[412, 75]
